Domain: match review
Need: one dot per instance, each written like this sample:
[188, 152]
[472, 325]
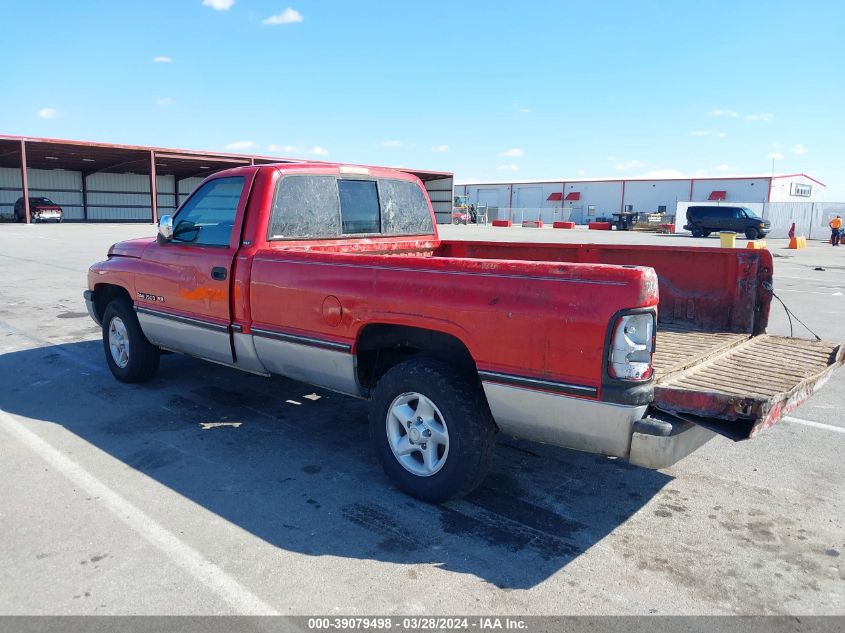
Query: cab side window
[208, 216]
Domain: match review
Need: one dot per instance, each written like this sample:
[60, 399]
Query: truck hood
[131, 248]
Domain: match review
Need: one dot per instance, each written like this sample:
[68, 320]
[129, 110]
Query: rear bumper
[88, 295]
[659, 443]
[592, 426]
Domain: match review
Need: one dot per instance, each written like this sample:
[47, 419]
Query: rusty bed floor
[735, 364]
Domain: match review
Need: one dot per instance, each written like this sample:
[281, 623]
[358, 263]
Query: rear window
[305, 206]
[404, 209]
[359, 208]
[314, 206]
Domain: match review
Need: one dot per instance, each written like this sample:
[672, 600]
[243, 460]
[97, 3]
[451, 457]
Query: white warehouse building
[584, 200]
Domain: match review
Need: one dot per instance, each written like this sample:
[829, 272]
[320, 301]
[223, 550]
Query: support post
[25, 182]
[153, 187]
[84, 196]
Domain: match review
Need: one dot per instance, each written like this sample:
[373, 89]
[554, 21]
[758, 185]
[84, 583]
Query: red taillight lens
[631, 347]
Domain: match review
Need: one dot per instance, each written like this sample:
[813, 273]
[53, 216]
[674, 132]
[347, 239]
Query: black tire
[706, 233]
[472, 432]
[143, 356]
[456, 221]
[751, 233]
[697, 232]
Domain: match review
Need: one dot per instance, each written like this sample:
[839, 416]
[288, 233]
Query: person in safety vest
[835, 230]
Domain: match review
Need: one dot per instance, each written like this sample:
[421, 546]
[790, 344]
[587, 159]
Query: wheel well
[105, 294]
[382, 346]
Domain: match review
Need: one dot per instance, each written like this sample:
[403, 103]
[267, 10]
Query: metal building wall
[186, 186]
[440, 193]
[604, 196]
[646, 196]
[62, 187]
[782, 190]
[121, 197]
[738, 189]
[10, 190]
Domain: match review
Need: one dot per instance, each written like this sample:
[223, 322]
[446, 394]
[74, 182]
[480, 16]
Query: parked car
[40, 210]
[335, 275]
[702, 220]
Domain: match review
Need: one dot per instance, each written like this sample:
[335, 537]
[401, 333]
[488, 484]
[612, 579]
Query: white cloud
[512, 153]
[526, 110]
[319, 151]
[240, 146]
[281, 148]
[164, 101]
[511, 167]
[162, 59]
[218, 5]
[629, 164]
[708, 133]
[48, 113]
[765, 117]
[728, 113]
[440, 148]
[722, 167]
[393, 143]
[799, 149]
[611, 158]
[582, 172]
[288, 16]
[775, 155]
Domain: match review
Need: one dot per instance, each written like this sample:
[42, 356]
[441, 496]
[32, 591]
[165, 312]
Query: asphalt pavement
[209, 491]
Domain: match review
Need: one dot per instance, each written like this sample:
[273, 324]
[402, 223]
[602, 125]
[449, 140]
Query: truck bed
[749, 382]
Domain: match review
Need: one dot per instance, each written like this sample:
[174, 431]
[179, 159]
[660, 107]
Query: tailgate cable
[789, 314]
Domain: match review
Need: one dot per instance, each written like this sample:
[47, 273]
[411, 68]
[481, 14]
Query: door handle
[218, 273]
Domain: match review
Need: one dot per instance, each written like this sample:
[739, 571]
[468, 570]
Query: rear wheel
[751, 233]
[432, 429]
[697, 232]
[456, 221]
[130, 356]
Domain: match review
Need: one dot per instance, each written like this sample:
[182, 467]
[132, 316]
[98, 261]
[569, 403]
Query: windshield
[40, 201]
[749, 213]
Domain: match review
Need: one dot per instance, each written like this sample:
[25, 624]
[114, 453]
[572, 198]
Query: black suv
[705, 219]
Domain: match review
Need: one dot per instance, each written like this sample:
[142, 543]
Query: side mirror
[165, 227]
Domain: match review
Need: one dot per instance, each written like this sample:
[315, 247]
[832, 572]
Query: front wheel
[697, 232]
[456, 221]
[432, 430]
[130, 356]
[751, 233]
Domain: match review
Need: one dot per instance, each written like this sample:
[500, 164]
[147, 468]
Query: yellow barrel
[728, 239]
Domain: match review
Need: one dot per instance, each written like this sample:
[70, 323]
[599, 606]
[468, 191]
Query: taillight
[631, 347]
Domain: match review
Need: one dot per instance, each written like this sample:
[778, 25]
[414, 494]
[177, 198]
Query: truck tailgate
[736, 384]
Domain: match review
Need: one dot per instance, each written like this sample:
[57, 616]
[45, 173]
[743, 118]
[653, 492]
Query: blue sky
[490, 90]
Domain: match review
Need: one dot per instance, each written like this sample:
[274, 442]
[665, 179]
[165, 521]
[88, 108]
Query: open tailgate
[745, 385]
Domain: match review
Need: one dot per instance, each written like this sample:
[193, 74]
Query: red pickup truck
[334, 275]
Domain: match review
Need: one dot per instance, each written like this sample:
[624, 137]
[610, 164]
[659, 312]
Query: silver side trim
[319, 366]
[302, 340]
[247, 356]
[186, 335]
[584, 425]
[183, 319]
[546, 385]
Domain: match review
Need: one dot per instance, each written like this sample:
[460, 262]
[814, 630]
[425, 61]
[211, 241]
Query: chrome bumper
[661, 443]
[89, 303]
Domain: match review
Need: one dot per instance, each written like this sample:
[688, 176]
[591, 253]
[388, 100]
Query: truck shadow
[292, 465]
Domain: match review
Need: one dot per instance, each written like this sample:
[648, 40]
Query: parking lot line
[818, 425]
[241, 599]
